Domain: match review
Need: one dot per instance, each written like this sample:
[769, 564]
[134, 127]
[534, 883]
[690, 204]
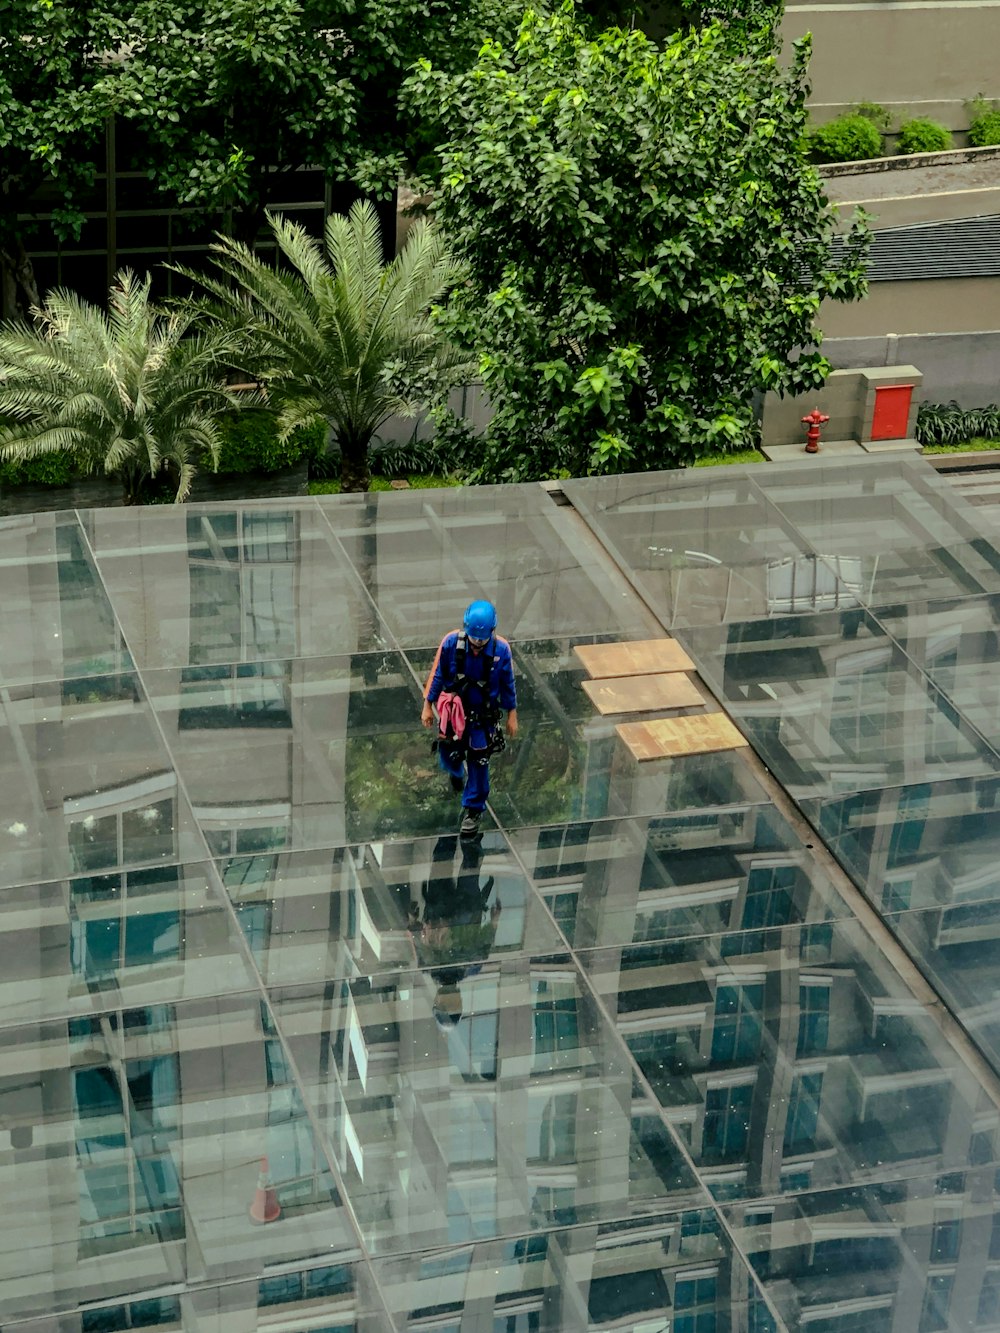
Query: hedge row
[249, 444]
[947, 423]
[857, 136]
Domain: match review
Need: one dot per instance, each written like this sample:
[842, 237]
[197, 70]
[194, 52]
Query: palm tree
[134, 393]
[339, 337]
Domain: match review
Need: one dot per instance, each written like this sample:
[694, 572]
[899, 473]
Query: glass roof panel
[469, 1109]
[648, 1272]
[130, 937]
[790, 1057]
[423, 555]
[832, 703]
[707, 551]
[136, 1144]
[630, 881]
[443, 903]
[913, 537]
[51, 591]
[560, 1077]
[231, 583]
[87, 785]
[881, 1256]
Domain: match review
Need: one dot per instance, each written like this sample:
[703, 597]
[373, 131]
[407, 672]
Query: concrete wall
[921, 188]
[847, 398]
[963, 366]
[939, 305]
[915, 57]
[840, 398]
[908, 210]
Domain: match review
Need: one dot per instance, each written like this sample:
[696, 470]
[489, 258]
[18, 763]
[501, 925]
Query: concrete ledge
[890, 446]
[789, 453]
[909, 161]
[987, 459]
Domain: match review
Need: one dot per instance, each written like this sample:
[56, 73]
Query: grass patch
[427, 480]
[976, 446]
[721, 460]
[419, 481]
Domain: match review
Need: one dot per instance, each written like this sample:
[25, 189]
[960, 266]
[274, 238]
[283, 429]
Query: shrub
[250, 443]
[450, 450]
[55, 469]
[849, 138]
[985, 128]
[876, 113]
[946, 423]
[923, 136]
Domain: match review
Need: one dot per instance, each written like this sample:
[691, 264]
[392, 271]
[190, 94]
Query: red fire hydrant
[813, 421]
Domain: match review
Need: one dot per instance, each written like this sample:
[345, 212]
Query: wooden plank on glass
[641, 657]
[668, 737]
[643, 694]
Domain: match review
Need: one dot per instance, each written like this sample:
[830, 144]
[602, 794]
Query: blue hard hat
[480, 619]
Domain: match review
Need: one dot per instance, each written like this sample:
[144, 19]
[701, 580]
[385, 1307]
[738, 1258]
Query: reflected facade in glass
[278, 1050]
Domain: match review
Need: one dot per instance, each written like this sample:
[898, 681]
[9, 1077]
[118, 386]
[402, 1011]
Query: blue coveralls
[476, 698]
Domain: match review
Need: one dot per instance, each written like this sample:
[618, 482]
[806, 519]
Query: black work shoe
[470, 822]
[457, 784]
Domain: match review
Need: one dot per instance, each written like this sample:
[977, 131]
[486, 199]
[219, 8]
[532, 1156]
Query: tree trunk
[247, 222]
[18, 285]
[354, 474]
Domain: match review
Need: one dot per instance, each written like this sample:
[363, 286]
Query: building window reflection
[152, 1313]
[989, 1299]
[937, 1298]
[128, 1184]
[814, 1015]
[243, 568]
[551, 1127]
[242, 694]
[123, 921]
[945, 1239]
[769, 896]
[727, 1121]
[695, 1301]
[316, 1284]
[803, 1112]
[121, 836]
[908, 828]
[738, 1031]
[555, 1021]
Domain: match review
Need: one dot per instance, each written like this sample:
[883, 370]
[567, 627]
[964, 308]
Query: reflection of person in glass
[456, 931]
[475, 664]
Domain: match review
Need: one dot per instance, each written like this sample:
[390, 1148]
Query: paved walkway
[916, 180]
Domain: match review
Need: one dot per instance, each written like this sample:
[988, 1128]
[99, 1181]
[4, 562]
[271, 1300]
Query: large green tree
[335, 334]
[55, 59]
[219, 103]
[227, 98]
[647, 246]
[134, 393]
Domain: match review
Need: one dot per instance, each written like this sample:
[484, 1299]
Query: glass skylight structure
[707, 1044]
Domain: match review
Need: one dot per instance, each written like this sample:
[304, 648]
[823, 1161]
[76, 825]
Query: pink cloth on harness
[451, 716]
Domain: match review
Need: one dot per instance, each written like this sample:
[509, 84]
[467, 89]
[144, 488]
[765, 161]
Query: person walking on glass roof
[471, 681]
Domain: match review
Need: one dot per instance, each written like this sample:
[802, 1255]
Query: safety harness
[487, 716]
[490, 713]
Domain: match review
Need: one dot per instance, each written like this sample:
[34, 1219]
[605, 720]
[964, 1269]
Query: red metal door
[892, 411]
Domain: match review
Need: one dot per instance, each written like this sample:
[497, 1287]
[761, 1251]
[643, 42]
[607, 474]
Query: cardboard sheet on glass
[641, 657]
[643, 694]
[668, 737]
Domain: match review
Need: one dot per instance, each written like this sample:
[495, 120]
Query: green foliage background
[250, 443]
[647, 246]
[921, 135]
[985, 129]
[848, 138]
